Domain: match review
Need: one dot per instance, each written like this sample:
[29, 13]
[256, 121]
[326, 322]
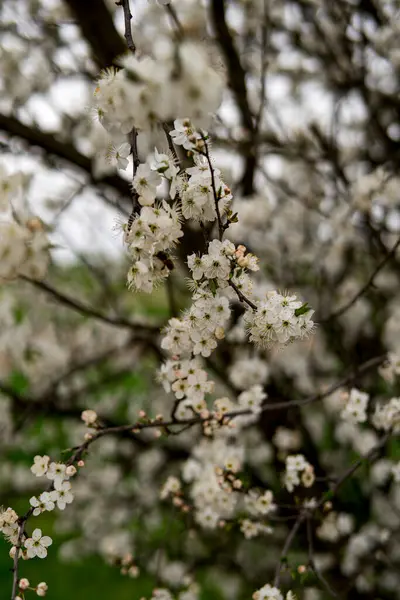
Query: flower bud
[301, 569]
[42, 589]
[23, 584]
[89, 417]
[219, 333]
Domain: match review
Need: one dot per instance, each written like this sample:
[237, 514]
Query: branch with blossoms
[59, 493]
[226, 485]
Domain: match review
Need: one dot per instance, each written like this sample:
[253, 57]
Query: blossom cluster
[387, 415]
[222, 261]
[189, 382]
[146, 90]
[24, 247]
[198, 330]
[335, 525]
[268, 592]
[215, 489]
[190, 593]
[361, 544]
[391, 369]
[9, 525]
[40, 589]
[278, 320]
[297, 465]
[60, 495]
[202, 188]
[355, 410]
[153, 232]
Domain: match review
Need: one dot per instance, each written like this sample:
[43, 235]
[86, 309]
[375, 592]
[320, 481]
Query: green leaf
[302, 310]
[18, 382]
[19, 314]
[213, 285]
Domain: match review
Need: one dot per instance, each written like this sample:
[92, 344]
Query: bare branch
[87, 310]
[365, 287]
[128, 30]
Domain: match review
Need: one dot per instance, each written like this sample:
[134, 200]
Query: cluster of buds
[127, 566]
[90, 418]
[24, 585]
[196, 139]
[144, 420]
[227, 479]
[213, 421]
[246, 261]
[172, 489]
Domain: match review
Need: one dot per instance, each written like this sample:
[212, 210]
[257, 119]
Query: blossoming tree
[220, 401]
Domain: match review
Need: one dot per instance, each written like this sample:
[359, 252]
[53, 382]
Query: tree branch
[237, 83]
[128, 29]
[65, 151]
[98, 29]
[87, 310]
[365, 287]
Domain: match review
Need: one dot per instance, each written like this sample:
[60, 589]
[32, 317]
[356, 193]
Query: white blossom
[37, 544]
[40, 465]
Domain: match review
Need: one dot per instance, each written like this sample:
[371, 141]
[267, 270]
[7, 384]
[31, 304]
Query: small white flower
[118, 155]
[44, 502]
[40, 465]
[184, 134]
[37, 545]
[207, 518]
[62, 494]
[267, 592]
[56, 472]
[145, 183]
[171, 486]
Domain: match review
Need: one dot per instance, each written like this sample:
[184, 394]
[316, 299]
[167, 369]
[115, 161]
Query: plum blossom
[37, 544]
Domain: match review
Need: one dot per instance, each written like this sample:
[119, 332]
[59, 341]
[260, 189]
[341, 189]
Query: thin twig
[311, 560]
[172, 12]
[206, 153]
[287, 545]
[14, 591]
[307, 513]
[87, 310]
[128, 31]
[353, 468]
[170, 143]
[241, 296]
[365, 287]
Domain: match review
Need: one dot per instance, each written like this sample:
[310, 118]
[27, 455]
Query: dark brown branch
[237, 83]
[215, 191]
[98, 29]
[241, 296]
[172, 12]
[63, 150]
[128, 29]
